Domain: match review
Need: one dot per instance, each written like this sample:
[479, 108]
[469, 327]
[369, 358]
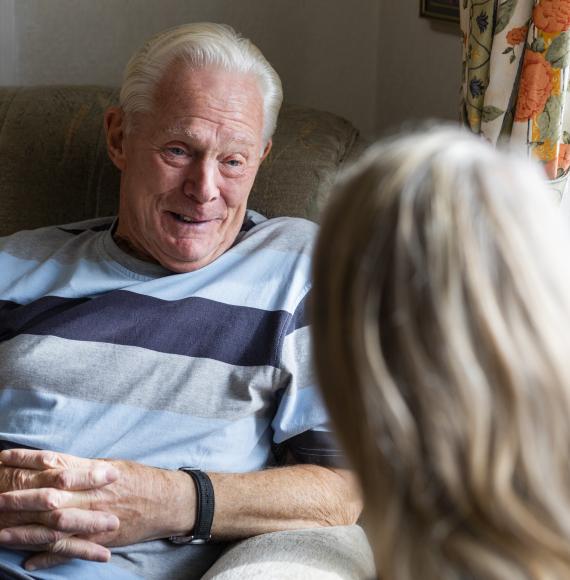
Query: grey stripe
[108, 373]
[296, 357]
[289, 235]
[54, 243]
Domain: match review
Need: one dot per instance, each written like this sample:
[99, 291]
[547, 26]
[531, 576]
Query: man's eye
[176, 151]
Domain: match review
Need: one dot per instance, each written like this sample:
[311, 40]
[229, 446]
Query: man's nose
[200, 183]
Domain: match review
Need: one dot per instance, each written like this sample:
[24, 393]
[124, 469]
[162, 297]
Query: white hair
[199, 45]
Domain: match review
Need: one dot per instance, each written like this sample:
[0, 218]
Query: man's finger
[63, 551]
[47, 460]
[61, 470]
[34, 459]
[45, 560]
[78, 522]
[72, 521]
[29, 536]
[58, 543]
[72, 547]
[74, 479]
[97, 475]
[44, 499]
[77, 548]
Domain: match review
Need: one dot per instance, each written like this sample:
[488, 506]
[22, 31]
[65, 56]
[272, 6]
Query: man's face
[188, 167]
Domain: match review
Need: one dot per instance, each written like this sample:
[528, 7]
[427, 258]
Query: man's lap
[336, 553]
[11, 568]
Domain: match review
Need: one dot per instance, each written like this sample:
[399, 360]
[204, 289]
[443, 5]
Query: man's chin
[181, 263]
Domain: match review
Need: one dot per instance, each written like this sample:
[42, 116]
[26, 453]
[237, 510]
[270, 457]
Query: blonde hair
[198, 45]
[442, 340]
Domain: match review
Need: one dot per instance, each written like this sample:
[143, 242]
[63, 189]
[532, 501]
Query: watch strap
[205, 504]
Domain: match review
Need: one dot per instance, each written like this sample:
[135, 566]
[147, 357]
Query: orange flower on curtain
[516, 65]
[517, 35]
[552, 15]
[535, 86]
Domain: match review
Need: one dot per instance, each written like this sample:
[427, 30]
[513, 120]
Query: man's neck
[130, 249]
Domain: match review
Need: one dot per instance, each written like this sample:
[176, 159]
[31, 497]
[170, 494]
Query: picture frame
[440, 9]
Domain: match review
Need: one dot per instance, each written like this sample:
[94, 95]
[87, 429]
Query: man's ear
[114, 130]
[266, 150]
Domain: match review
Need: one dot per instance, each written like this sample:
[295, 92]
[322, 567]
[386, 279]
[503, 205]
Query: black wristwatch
[202, 532]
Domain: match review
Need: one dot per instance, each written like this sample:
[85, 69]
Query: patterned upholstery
[54, 166]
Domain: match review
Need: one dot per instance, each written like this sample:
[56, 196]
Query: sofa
[54, 169]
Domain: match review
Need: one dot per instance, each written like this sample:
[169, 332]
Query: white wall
[8, 44]
[352, 58]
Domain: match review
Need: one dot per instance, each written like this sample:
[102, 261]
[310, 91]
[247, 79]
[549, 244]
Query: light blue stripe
[158, 438]
[27, 281]
[298, 409]
[252, 281]
[73, 570]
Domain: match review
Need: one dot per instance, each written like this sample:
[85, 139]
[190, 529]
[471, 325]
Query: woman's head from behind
[442, 340]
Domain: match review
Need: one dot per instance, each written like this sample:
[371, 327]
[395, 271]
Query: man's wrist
[182, 502]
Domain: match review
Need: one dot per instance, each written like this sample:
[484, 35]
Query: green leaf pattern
[558, 51]
[491, 113]
[504, 14]
[549, 119]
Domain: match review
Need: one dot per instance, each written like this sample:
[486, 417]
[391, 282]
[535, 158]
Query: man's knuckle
[62, 479]
[51, 499]
[33, 536]
[59, 546]
[53, 536]
[60, 520]
[23, 535]
[49, 458]
[64, 546]
[20, 479]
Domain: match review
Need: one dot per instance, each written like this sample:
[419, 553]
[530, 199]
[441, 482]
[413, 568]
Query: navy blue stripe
[194, 327]
[247, 225]
[316, 447]
[301, 316]
[4, 444]
[76, 232]
[16, 319]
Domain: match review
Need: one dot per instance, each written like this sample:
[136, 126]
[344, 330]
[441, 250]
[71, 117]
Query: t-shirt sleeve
[301, 423]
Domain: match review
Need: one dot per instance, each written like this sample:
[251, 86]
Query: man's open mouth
[188, 220]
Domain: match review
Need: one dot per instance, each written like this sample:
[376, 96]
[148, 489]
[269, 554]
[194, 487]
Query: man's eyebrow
[178, 130]
[242, 140]
[188, 133]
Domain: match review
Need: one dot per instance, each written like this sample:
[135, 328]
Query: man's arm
[154, 503]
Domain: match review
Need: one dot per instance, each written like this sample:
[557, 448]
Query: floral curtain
[516, 66]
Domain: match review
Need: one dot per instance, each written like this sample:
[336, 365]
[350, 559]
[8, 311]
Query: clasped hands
[69, 507]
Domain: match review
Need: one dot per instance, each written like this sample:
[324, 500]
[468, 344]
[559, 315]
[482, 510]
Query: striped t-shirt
[103, 355]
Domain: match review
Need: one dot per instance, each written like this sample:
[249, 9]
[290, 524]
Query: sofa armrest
[336, 553]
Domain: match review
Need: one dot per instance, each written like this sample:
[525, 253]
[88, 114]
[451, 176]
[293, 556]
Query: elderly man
[173, 336]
